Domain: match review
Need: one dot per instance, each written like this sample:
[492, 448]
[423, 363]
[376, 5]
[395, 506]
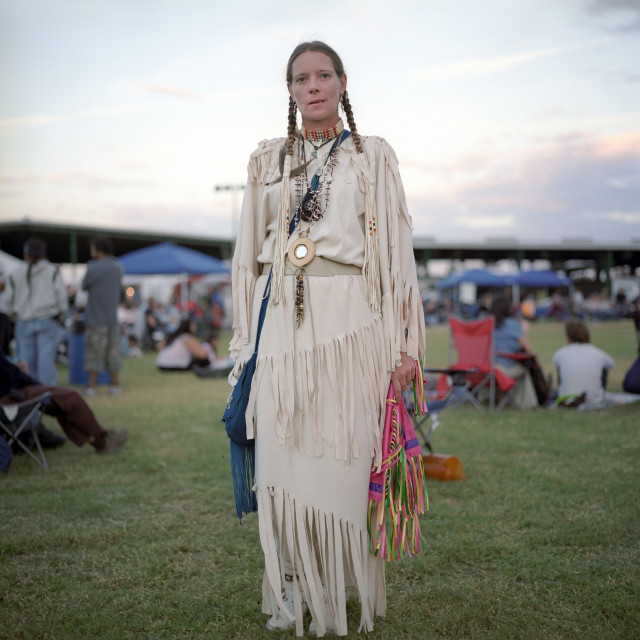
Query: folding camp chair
[474, 370]
[21, 419]
[434, 407]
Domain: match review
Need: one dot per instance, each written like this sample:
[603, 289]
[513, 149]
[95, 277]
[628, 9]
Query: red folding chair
[474, 370]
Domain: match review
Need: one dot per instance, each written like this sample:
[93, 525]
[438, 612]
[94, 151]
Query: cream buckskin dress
[318, 395]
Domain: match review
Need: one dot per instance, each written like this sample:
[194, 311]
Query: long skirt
[319, 396]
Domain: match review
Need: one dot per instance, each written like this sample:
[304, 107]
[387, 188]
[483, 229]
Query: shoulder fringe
[325, 554]
[282, 233]
[371, 263]
[352, 363]
[262, 160]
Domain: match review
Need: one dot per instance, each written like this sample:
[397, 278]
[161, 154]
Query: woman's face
[316, 89]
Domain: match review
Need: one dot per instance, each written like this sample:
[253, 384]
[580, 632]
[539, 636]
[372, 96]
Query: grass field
[540, 542]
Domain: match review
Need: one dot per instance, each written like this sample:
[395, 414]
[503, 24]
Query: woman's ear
[343, 83]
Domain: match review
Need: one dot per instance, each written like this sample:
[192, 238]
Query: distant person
[6, 331]
[635, 315]
[182, 350]
[37, 297]
[621, 303]
[583, 369]
[509, 337]
[216, 303]
[218, 365]
[631, 382]
[556, 309]
[66, 405]
[103, 284]
[133, 350]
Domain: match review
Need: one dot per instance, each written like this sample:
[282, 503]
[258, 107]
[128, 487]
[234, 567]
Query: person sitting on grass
[66, 405]
[582, 372]
[182, 350]
[219, 366]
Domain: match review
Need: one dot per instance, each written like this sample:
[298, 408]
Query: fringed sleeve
[251, 235]
[402, 309]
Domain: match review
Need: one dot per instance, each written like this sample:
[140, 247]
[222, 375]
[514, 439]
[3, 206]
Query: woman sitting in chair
[509, 337]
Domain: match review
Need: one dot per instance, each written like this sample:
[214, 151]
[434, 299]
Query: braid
[292, 126]
[346, 105]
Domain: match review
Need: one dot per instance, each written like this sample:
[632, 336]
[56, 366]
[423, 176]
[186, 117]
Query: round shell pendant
[302, 251]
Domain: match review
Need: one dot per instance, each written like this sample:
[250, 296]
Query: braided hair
[34, 249]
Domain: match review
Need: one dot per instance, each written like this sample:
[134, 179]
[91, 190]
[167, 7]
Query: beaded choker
[320, 136]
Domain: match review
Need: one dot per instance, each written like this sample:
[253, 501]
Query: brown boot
[113, 441]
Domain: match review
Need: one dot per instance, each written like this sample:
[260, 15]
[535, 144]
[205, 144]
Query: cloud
[559, 189]
[485, 222]
[477, 67]
[19, 123]
[72, 180]
[620, 16]
[173, 91]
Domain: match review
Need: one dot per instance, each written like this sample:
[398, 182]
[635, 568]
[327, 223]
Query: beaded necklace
[313, 205]
[309, 209]
[321, 136]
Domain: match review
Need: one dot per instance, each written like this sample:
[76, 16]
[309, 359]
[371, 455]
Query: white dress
[318, 395]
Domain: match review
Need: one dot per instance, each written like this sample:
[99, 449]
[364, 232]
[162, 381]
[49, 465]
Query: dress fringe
[351, 361]
[325, 555]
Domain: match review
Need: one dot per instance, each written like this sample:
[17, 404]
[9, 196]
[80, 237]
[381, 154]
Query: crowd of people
[554, 306]
[39, 316]
[35, 295]
[581, 368]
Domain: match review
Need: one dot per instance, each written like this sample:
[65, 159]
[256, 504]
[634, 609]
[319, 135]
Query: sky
[511, 120]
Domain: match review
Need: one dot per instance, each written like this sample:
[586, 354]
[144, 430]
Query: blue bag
[242, 450]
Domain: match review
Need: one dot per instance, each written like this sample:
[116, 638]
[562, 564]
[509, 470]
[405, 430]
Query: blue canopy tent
[168, 258]
[171, 259]
[537, 279]
[479, 277]
[545, 279]
[476, 277]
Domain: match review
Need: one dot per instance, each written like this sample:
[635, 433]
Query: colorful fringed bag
[397, 493]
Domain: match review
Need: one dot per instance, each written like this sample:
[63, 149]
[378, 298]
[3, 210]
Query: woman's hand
[404, 374]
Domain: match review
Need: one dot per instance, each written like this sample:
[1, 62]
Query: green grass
[541, 541]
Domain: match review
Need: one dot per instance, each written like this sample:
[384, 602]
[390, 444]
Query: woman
[37, 297]
[344, 318]
[510, 337]
[182, 350]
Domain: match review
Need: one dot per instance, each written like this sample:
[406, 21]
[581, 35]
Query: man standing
[102, 282]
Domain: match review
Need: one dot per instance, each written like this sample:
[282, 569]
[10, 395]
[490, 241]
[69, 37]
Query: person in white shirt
[582, 369]
[36, 297]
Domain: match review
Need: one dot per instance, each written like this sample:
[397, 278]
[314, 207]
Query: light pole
[235, 209]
